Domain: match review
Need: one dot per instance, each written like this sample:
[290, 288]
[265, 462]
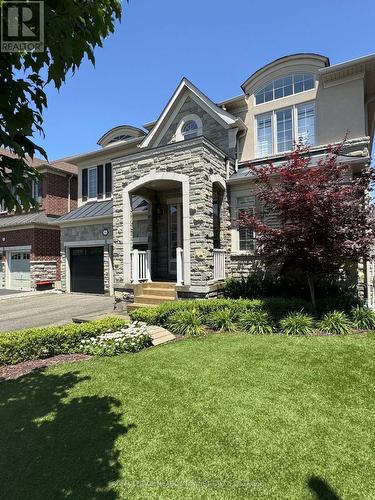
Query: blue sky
[217, 44]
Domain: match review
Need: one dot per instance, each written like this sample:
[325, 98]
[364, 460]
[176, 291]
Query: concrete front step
[153, 299]
[137, 305]
[160, 292]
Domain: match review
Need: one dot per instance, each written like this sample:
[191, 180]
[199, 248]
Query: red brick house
[30, 242]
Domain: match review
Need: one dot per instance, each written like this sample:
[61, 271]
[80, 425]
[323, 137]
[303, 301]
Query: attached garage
[19, 271]
[87, 269]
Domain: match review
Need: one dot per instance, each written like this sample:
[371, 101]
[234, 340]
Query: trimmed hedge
[275, 307]
[36, 343]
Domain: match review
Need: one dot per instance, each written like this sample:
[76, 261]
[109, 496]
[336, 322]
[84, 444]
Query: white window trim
[273, 113]
[286, 96]
[195, 118]
[235, 232]
[102, 198]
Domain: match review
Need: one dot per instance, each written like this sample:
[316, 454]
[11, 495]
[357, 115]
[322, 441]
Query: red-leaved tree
[325, 215]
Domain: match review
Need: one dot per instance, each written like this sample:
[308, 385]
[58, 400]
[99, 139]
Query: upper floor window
[190, 130]
[97, 182]
[282, 87]
[277, 131]
[118, 138]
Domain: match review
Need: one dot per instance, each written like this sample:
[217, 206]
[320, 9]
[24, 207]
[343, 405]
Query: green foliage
[132, 338]
[222, 319]
[335, 323]
[363, 318]
[146, 315]
[35, 343]
[256, 323]
[186, 322]
[297, 324]
[72, 32]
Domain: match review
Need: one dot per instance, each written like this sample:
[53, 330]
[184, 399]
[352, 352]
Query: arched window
[190, 130]
[284, 86]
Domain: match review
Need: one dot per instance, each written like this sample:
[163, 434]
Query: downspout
[70, 177]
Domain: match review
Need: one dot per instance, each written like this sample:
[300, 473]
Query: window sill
[242, 253]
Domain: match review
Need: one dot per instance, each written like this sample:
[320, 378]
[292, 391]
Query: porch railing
[180, 265]
[219, 264]
[140, 266]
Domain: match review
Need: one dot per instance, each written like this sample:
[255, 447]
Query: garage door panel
[87, 269]
[20, 271]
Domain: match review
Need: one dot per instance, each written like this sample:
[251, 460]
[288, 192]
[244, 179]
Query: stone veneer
[86, 233]
[203, 164]
[43, 270]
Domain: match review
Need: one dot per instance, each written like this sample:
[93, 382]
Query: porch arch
[127, 241]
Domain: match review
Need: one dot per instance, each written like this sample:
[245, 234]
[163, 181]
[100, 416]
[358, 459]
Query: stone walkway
[160, 335]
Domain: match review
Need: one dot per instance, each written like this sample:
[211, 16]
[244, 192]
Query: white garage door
[20, 270]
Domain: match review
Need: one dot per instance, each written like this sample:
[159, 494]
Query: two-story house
[158, 205]
[30, 242]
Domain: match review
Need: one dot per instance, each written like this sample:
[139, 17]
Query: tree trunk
[311, 283]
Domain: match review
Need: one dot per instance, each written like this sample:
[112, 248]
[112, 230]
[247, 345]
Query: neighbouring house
[157, 205]
[30, 241]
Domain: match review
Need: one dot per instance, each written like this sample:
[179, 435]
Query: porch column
[127, 236]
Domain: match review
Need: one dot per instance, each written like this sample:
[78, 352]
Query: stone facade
[212, 129]
[204, 165]
[87, 235]
[44, 270]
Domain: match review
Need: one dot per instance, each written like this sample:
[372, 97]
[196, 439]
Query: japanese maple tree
[325, 215]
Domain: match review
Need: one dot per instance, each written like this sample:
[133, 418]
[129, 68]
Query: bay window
[277, 131]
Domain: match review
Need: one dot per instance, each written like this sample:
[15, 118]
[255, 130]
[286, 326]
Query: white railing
[140, 266]
[180, 265]
[219, 264]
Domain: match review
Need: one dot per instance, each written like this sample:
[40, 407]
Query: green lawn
[220, 417]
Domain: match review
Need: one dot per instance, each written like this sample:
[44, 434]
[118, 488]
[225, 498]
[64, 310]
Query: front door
[174, 234]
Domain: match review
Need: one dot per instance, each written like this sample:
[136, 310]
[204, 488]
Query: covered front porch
[158, 243]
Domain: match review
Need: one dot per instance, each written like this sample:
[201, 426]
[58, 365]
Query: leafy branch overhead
[73, 29]
[325, 218]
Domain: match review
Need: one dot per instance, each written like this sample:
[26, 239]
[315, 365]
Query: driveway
[49, 309]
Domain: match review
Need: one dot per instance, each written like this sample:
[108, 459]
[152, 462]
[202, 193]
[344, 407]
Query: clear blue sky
[217, 44]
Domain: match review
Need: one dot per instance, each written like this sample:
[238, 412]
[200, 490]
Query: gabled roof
[39, 163]
[226, 119]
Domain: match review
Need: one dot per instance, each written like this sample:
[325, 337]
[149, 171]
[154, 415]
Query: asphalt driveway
[49, 309]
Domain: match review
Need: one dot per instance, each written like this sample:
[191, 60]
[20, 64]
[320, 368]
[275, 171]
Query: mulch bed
[12, 372]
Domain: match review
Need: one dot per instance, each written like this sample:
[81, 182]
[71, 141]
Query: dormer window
[120, 138]
[190, 130]
[285, 86]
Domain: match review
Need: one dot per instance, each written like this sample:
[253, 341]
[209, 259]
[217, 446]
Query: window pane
[259, 99]
[264, 135]
[92, 183]
[246, 235]
[285, 86]
[279, 93]
[284, 130]
[306, 124]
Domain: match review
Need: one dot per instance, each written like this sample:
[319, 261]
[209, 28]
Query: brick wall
[45, 244]
[55, 193]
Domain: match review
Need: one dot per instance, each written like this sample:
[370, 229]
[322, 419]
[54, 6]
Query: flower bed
[131, 338]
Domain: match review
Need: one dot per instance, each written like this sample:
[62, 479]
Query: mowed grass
[223, 417]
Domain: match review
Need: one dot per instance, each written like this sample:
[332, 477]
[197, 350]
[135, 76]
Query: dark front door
[87, 269]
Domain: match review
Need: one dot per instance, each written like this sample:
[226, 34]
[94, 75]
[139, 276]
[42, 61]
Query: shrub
[335, 323]
[186, 322]
[256, 322]
[35, 343]
[148, 315]
[222, 319]
[279, 308]
[132, 338]
[297, 324]
[363, 318]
